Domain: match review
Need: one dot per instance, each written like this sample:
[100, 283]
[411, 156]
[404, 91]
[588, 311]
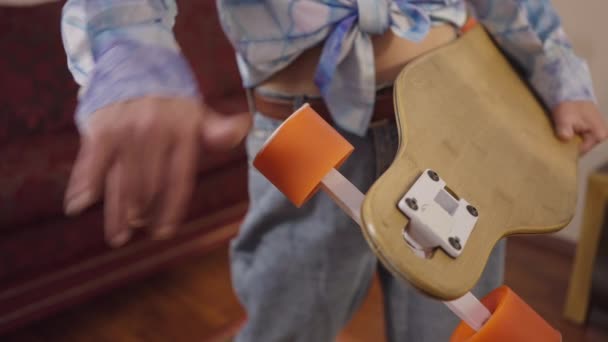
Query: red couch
[48, 261]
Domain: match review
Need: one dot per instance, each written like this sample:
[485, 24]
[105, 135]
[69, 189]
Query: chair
[588, 259]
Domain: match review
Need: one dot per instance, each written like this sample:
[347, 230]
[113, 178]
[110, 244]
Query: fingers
[151, 174]
[133, 172]
[223, 132]
[145, 165]
[589, 141]
[597, 125]
[580, 118]
[566, 119]
[88, 174]
[591, 127]
[144, 155]
[564, 128]
[117, 231]
[179, 185]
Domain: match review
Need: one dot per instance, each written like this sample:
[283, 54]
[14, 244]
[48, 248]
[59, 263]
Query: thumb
[565, 132]
[564, 125]
[221, 132]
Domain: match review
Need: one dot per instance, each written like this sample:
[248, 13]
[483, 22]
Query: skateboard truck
[437, 216]
[299, 166]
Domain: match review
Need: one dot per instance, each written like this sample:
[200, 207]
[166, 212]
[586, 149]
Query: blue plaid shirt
[122, 49]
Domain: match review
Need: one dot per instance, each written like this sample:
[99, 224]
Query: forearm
[122, 49]
[530, 31]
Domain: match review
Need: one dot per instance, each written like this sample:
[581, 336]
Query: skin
[580, 118]
[142, 155]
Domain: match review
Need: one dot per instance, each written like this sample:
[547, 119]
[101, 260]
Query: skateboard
[465, 114]
[478, 161]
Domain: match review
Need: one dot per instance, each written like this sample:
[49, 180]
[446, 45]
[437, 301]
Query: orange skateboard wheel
[468, 25]
[300, 153]
[512, 320]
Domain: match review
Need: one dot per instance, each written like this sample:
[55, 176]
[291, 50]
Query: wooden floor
[194, 302]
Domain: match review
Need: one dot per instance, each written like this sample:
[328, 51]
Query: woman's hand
[581, 118]
[142, 156]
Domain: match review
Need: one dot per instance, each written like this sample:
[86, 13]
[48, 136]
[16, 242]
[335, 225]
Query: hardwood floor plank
[195, 302]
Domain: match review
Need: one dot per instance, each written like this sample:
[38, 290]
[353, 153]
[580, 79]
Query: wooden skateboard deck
[464, 112]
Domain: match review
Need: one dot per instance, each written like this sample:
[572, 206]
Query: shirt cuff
[126, 70]
[559, 75]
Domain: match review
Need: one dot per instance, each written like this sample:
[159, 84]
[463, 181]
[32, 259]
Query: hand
[143, 156]
[581, 118]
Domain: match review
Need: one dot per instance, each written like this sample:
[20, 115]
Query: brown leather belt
[281, 109]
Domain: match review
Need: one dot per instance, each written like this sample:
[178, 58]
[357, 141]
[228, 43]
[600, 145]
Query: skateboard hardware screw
[472, 210]
[433, 175]
[412, 203]
[455, 242]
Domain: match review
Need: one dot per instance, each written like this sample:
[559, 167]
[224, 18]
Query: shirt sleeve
[531, 33]
[122, 49]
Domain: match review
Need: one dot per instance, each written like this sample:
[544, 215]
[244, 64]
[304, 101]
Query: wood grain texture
[577, 302]
[189, 302]
[465, 113]
[194, 302]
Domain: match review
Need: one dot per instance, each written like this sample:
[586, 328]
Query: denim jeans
[302, 273]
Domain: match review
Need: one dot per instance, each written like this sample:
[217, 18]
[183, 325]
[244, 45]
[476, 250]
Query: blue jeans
[301, 273]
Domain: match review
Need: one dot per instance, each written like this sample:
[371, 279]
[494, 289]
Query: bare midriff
[391, 54]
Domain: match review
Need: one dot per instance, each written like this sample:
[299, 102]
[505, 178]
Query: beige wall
[586, 23]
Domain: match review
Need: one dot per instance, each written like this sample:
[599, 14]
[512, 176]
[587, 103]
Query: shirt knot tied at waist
[345, 74]
[374, 16]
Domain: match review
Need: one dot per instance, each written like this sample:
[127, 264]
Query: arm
[142, 122]
[123, 49]
[530, 31]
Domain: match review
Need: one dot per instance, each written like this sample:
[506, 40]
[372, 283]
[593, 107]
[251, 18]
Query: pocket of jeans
[263, 127]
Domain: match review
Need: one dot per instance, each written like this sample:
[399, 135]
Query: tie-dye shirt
[122, 49]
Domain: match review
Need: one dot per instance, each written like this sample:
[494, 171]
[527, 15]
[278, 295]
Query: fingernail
[163, 232]
[120, 238]
[78, 202]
